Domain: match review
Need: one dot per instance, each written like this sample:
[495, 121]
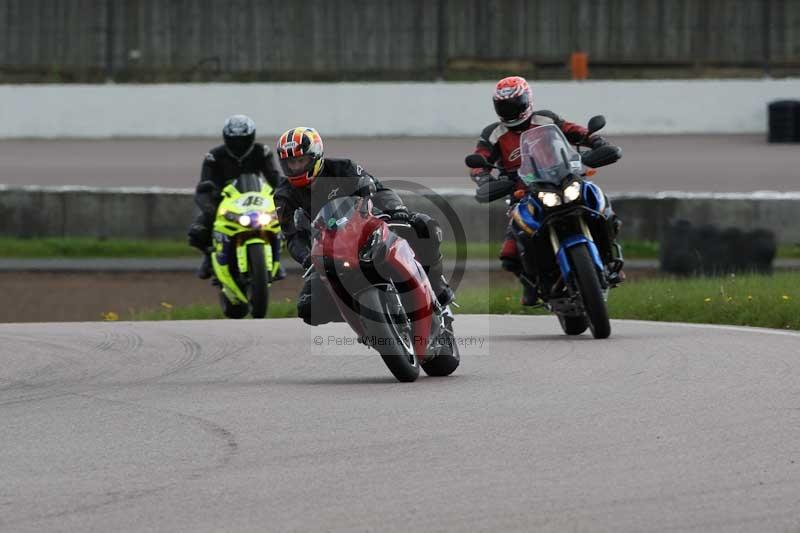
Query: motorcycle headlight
[549, 199]
[572, 191]
[264, 219]
[244, 220]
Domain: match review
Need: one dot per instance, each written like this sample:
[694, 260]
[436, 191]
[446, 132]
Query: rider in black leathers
[239, 154]
[312, 182]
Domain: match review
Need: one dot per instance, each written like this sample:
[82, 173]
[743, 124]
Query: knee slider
[199, 236]
[426, 227]
[304, 307]
[511, 265]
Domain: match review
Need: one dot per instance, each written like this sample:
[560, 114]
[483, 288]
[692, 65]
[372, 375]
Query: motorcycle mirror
[596, 123]
[477, 161]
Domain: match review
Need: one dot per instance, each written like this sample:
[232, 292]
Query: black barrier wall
[166, 213]
[162, 40]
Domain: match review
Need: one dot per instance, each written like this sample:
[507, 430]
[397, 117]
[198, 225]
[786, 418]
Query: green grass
[283, 309]
[77, 247]
[490, 250]
[87, 247]
[751, 300]
[762, 301]
[789, 251]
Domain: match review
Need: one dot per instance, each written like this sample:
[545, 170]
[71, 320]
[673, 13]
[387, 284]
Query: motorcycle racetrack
[274, 426]
[271, 425]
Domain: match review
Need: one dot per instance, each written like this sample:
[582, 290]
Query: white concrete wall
[385, 109]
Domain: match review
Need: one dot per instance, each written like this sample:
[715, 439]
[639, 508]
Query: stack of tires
[784, 121]
[706, 250]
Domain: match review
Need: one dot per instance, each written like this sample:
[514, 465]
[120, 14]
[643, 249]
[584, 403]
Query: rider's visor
[509, 110]
[298, 166]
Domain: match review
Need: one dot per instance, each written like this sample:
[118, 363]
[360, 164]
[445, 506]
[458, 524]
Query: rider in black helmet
[239, 154]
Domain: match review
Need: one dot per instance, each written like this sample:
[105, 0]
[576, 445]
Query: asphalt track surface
[250, 426]
[716, 163]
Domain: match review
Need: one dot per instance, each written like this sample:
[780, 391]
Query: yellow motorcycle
[245, 225]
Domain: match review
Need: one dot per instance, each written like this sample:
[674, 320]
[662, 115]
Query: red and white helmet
[513, 101]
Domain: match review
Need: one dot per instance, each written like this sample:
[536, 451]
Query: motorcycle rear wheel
[232, 310]
[573, 325]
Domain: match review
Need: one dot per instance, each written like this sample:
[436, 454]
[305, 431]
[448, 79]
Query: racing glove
[400, 214]
[596, 141]
[481, 177]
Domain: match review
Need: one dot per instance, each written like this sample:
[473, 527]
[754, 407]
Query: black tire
[391, 341]
[259, 291]
[591, 291]
[573, 325]
[446, 361]
[231, 310]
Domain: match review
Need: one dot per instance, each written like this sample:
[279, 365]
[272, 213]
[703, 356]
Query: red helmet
[513, 101]
[300, 152]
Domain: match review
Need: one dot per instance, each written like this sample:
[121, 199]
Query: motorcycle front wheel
[259, 290]
[591, 292]
[389, 332]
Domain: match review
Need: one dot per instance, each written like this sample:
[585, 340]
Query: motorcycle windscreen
[546, 156]
[336, 213]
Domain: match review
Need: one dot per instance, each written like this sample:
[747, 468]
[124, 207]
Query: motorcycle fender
[575, 240]
[241, 252]
[371, 309]
[229, 287]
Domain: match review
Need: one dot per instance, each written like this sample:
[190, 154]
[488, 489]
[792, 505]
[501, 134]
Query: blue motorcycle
[562, 224]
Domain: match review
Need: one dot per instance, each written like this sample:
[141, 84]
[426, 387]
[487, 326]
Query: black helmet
[239, 133]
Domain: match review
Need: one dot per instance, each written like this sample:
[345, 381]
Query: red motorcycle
[380, 289]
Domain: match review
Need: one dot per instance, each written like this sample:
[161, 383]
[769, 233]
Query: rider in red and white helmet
[499, 144]
[513, 103]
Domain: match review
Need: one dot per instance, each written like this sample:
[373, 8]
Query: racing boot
[275, 243]
[444, 294]
[280, 274]
[529, 293]
[205, 270]
[509, 257]
[616, 261]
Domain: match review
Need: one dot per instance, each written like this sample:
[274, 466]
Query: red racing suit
[500, 145]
